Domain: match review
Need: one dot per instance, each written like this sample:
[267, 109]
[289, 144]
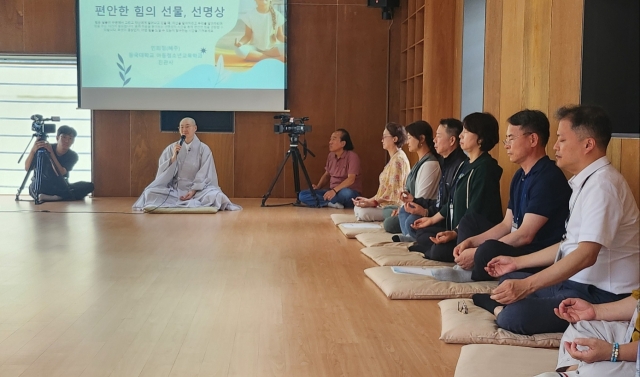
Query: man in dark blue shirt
[538, 205]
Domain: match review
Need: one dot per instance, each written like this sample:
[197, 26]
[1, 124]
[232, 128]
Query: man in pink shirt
[342, 175]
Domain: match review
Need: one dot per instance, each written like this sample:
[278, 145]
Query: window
[39, 85]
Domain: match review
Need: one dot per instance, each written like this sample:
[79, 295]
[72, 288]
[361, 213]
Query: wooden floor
[90, 289]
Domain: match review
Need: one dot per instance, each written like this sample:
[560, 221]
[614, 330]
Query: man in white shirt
[599, 257]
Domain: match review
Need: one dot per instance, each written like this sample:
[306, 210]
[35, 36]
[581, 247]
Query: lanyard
[520, 207]
[566, 223]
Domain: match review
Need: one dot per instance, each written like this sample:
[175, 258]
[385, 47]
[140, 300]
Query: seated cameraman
[342, 174]
[54, 185]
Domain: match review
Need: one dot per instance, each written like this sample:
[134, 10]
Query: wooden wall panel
[457, 61]
[511, 82]
[630, 165]
[312, 85]
[565, 64]
[394, 80]
[361, 99]
[537, 45]
[257, 153]
[11, 26]
[614, 152]
[440, 38]
[111, 153]
[147, 143]
[50, 26]
[222, 147]
[492, 59]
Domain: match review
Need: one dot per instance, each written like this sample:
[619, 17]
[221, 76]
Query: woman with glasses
[392, 178]
[422, 181]
[476, 190]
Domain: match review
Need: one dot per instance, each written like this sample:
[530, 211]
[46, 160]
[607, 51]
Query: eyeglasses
[509, 140]
[462, 307]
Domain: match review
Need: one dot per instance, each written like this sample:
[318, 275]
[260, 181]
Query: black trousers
[494, 248]
[76, 191]
[470, 225]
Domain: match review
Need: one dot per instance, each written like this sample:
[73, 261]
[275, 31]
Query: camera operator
[342, 174]
[54, 185]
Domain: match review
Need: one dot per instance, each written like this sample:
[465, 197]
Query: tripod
[37, 164]
[297, 161]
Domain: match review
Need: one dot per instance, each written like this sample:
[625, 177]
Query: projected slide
[233, 45]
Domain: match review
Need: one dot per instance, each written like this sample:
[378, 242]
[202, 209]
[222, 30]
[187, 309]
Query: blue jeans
[343, 197]
[406, 219]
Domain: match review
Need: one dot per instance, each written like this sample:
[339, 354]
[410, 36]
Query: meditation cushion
[491, 360]
[479, 326]
[378, 239]
[154, 209]
[352, 230]
[339, 218]
[419, 287]
[398, 254]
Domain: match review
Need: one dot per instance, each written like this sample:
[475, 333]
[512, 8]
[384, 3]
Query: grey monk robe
[193, 169]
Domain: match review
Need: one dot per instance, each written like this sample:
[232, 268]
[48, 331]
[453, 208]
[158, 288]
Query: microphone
[182, 141]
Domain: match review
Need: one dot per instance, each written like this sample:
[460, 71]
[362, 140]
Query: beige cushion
[420, 287]
[378, 239]
[479, 326]
[339, 218]
[491, 360]
[154, 209]
[398, 254]
[352, 230]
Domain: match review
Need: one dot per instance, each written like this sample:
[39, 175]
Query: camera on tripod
[41, 128]
[291, 125]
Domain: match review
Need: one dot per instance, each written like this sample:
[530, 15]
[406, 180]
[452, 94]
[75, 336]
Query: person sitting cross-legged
[598, 259]
[538, 205]
[477, 190]
[341, 175]
[451, 157]
[601, 340]
[391, 180]
[422, 181]
[186, 176]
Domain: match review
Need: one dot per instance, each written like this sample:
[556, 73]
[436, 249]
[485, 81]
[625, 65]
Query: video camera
[291, 125]
[41, 128]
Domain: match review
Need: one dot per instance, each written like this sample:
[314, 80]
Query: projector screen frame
[201, 99]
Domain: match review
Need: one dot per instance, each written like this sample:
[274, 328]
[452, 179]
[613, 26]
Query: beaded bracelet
[615, 352]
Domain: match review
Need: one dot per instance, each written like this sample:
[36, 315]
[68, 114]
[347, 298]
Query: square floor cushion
[419, 287]
[492, 360]
[398, 254]
[479, 326]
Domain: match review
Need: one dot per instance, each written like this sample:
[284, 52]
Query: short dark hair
[590, 120]
[453, 127]
[66, 130]
[485, 126]
[348, 145]
[423, 128]
[397, 130]
[533, 121]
